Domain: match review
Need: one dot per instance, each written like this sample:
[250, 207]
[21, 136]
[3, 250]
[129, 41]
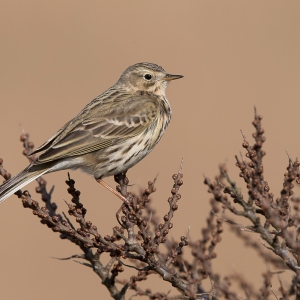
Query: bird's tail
[12, 185]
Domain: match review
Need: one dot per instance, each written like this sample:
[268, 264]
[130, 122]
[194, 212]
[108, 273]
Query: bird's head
[146, 77]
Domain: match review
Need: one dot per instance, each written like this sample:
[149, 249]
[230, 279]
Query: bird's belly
[122, 157]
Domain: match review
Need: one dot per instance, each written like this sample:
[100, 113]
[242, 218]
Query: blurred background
[56, 56]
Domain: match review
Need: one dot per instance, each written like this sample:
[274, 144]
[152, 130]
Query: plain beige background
[56, 56]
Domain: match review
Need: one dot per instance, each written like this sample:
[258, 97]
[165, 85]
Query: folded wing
[100, 125]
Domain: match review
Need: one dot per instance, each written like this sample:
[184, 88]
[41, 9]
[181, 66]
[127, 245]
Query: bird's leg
[121, 191]
[113, 191]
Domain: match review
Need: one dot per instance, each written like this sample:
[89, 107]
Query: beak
[170, 77]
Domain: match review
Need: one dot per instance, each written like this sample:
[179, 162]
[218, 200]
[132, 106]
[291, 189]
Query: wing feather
[100, 125]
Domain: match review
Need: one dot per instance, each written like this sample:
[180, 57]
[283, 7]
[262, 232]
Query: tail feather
[12, 185]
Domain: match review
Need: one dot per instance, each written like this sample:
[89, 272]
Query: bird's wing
[100, 125]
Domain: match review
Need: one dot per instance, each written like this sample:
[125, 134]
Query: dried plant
[136, 241]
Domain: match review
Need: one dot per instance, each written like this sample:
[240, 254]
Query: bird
[111, 134]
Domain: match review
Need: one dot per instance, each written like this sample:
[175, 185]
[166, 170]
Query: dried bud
[107, 238]
[44, 209]
[24, 137]
[71, 232]
[7, 175]
[165, 232]
[55, 229]
[126, 180]
[55, 219]
[179, 182]
[245, 144]
[174, 207]
[157, 233]
[166, 217]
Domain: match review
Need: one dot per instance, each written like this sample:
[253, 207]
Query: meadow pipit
[111, 134]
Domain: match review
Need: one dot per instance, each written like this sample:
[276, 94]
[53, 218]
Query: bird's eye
[148, 76]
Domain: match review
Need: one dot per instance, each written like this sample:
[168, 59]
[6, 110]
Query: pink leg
[112, 190]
